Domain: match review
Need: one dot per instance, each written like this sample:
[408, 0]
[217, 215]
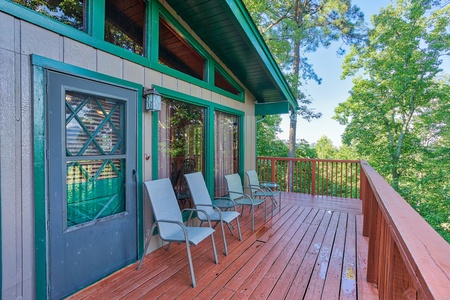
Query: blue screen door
[91, 153]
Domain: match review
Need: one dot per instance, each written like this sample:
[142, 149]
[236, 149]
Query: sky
[331, 91]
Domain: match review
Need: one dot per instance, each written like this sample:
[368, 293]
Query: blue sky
[332, 91]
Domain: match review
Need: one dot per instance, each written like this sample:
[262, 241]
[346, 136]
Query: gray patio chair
[202, 200]
[169, 220]
[264, 189]
[236, 193]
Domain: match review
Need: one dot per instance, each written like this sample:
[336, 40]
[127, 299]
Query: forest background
[397, 113]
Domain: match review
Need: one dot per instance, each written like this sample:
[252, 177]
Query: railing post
[313, 170]
[272, 174]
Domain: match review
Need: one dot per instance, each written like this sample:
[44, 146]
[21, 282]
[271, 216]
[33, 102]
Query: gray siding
[18, 40]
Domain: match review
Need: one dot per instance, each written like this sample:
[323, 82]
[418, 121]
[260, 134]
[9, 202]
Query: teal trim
[241, 146]
[153, 31]
[96, 20]
[39, 125]
[155, 145]
[274, 108]
[139, 174]
[241, 14]
[210, 63]
[210, 109]
[210, 150]
[184, 33]
[95, 27]
[40, 64]
[229, 79]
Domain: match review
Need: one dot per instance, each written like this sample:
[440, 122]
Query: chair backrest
[252, 177]
[164, 205]
[253, 180]
[234, 184]
[199, 192]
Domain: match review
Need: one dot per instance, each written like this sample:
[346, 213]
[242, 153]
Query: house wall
[18, 41]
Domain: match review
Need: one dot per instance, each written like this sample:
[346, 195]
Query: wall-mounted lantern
[152, 99]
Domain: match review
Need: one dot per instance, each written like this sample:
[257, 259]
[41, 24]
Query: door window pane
[68, 12]
[226, 156]
[181, 145]
[124, 24]
[94, 186]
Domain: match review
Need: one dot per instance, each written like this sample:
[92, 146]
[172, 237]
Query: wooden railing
[407, 258]
[338, 178]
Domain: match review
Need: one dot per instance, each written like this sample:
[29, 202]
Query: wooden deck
[313, 249]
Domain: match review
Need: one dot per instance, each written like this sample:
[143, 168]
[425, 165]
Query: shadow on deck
[313, 249]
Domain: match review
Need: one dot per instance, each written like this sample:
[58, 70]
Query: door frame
[38, 93]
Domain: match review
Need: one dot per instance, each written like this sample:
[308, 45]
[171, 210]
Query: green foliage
[325, 148]
[397, 114]
[293, 28]
[267, 143]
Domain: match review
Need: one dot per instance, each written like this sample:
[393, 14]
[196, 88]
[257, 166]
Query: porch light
[152, 99]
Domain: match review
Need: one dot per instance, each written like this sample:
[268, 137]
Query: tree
[267, 143]
[399, 64]
[293, 28]
[325, 148]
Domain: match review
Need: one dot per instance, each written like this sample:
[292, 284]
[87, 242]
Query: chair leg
[191, 267]
[253, 217]
[239, 228]
[214, 249]
[146, 245]
[224, 239]
[230, 227]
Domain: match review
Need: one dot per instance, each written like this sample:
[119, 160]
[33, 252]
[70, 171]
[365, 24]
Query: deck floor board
[312, 249]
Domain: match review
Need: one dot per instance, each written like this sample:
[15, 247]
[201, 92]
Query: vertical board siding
[19, 40]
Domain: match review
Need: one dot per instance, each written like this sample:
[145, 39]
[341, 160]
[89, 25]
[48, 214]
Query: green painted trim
[155, 145]
[210, 63]
[210, 109]
[153, 31]
[242, 145]
[96, 21]
[40, 230]
[184, 33]
[274, 108]
[210, 149]
[65, 30]
[94, 15]
[230, 79]
[139, 175]
[242, 15]
[40, 64]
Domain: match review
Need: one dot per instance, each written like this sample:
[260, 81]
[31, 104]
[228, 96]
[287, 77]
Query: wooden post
[313, 187]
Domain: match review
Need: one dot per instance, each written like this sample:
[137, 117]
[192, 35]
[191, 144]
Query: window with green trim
[125, 24]
[226, 145]
[69, 12]
[176, 53]
[181, 144]
[221, 82]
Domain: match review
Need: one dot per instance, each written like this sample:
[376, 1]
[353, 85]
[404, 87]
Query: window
[71, 13]
[175, 52]
[124, 24]
[181, 136]
[95, 144]
[221, 82]
[226, 156]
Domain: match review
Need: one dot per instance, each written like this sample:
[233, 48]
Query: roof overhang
[228, 30]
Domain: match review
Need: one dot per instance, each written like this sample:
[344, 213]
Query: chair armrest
[201, 210]
[255, 187]
[244, 195]
[216, 208]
